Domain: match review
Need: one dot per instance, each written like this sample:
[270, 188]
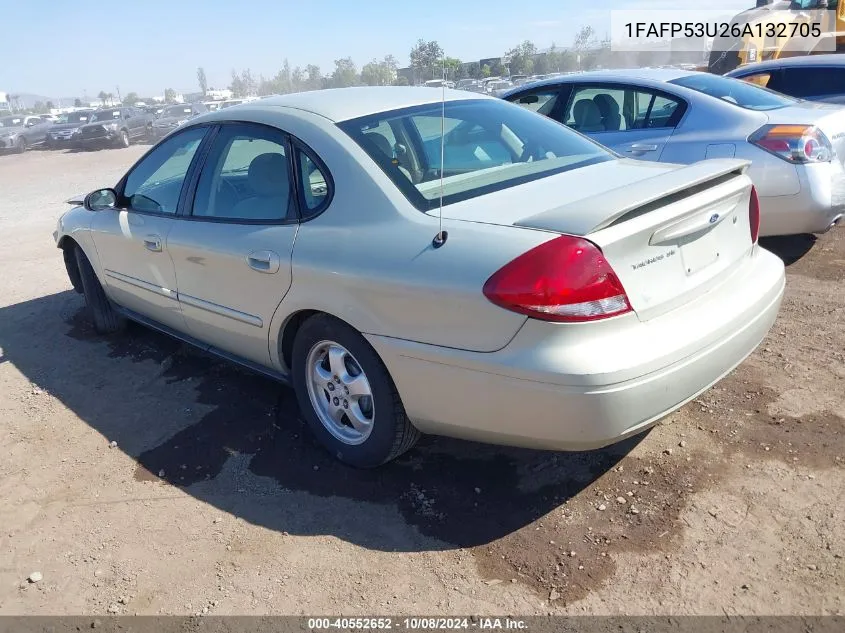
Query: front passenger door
[132, 240]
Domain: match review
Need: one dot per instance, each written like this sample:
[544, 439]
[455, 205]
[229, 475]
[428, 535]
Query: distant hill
[28, 100]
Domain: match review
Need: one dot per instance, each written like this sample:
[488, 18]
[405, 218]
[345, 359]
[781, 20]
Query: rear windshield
[77, 117]
[735, 91]
[488, 145]
[105, 115]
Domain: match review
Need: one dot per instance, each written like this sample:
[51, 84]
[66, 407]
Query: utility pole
[119, 100]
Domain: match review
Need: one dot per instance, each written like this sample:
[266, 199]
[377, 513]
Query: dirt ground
[215, 499]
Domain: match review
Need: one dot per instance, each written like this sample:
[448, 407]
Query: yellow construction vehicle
[782, 29]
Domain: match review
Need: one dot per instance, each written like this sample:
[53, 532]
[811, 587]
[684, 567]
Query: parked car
[498, 88]
[175, 115]
[115, 127]
[21, 131]
[64, 133]
[154, 110]
[50, 118]
[812, 77]
[561, 297]
[679, 116]
[228, 103]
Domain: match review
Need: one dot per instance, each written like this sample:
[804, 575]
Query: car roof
[789, 62]
[622, 74]
[342, 104]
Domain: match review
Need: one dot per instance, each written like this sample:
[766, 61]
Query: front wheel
[346, 395]
[105, 318]
[20, 145]
[123, 140]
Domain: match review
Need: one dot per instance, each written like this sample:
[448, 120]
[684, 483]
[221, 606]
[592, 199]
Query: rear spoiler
[639, 197]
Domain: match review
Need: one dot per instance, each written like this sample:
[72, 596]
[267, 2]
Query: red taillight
[565, 279]
[754, 214]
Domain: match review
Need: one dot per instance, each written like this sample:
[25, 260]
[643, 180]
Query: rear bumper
[563, 387]
[820, 201]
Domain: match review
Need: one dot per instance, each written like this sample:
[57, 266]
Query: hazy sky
[67, 47]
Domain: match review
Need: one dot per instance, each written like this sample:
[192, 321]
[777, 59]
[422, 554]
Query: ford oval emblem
[714, 218]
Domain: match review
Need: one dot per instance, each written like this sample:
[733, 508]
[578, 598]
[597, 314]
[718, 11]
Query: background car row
[95, 128]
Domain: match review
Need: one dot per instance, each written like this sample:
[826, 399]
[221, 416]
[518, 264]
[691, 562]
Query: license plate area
[700, 251]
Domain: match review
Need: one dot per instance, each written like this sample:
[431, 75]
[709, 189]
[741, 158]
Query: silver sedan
[796, 148]
[460, 267]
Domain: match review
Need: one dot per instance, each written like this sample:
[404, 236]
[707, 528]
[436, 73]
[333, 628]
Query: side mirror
[101, 200]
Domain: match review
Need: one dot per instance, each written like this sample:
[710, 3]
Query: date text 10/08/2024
[416, 624]
[664, 30]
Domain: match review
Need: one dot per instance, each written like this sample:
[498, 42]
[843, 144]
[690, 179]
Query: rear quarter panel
[369, 260]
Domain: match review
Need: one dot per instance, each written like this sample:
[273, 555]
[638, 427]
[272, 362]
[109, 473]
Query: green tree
[38, 107]
[345, 73]
[473, 69]
[314, 80]
[426, 59]
[130, 99]
[379, 73]
[585, 42]
[451, 65]
[402, 80]
[201, 80]
[102, 96]
[522, 58]
[77, 103]
[485, 71]
[50, 105]
[169, 95]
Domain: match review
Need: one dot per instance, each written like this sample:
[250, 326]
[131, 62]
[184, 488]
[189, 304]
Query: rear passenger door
[635, 122]
[232, 248]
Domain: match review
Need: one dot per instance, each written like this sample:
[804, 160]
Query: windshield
[735, 91]
[77, 117]
[488, 145]
[105, 115]
[176, 111]
[11, 121]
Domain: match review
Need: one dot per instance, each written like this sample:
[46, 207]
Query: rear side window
[611, 108]
[758, 79]
[487, 145]
[809, 81]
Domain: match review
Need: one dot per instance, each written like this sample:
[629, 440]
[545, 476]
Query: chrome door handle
[153, 243]
[642, 147]
[264, 261]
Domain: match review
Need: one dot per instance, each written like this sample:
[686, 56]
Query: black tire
[20, 145]
[392, 432]
[123, 139]
[105, 318]
[149, 134]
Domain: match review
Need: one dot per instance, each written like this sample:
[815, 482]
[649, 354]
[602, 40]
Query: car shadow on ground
[249, 450]
[790, 248]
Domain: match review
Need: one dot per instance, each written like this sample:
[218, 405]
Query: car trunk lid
[669, 233]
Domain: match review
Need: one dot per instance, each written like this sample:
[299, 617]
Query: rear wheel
[347, 396]
[123, 140]
[105, 318]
